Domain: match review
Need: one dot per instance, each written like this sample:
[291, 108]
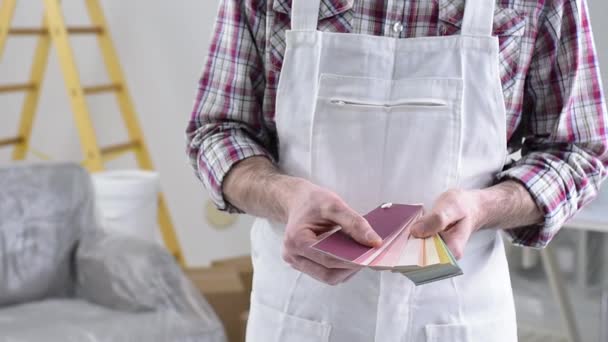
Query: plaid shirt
[556, 113]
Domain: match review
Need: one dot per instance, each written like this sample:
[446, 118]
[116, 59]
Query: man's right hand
[258, 188]
[312, 211]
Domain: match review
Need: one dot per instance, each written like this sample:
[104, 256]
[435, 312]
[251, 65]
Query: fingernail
[372, 237]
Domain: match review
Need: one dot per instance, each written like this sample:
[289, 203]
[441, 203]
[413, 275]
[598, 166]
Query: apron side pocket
[496, 330]
[448, 332]
[267, 324]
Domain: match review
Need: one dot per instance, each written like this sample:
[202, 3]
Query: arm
[507, 205]
[565, 151]
[258, 187]
[233, 152]
[227, 124]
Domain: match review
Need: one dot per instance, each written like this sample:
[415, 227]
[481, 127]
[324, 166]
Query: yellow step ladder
[55, 31]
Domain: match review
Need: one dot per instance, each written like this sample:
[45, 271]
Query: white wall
[162, 45]
[599, 11]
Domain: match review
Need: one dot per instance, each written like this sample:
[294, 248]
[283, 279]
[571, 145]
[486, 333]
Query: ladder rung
[8, 88]
[28, 31]
[85, 29]
[11, 141]
[119, 148]
[104, 88]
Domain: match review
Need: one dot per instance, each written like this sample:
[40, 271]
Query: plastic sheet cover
[62, 279]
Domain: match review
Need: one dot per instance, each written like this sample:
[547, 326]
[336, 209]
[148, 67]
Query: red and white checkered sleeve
[565, 151]
[227, 125]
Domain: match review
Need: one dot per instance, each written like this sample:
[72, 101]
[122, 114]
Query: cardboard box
[242, 265]
[225, 292]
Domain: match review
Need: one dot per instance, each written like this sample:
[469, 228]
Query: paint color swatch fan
[421, 260]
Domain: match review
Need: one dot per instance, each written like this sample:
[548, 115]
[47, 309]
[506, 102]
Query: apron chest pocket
[375, 140]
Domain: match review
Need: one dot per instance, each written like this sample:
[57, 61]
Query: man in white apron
[361, 120]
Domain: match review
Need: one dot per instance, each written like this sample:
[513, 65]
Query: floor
[538, 314]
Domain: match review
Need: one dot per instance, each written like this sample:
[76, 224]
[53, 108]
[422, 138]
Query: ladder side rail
[7, 12]
[31, 100]
[82, 117]
[125, 103]
[116, 75]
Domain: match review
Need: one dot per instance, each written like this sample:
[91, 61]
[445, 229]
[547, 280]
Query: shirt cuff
[216, 161]
[549, 193]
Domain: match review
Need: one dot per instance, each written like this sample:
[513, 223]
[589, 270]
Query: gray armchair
[63, 279]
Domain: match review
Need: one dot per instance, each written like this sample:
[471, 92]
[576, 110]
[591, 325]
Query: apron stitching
[459, 119]
[311, 154]
[500, 102]
[460, 304]
[383, 162]
[386, 126]
[411, 298]
[378, 302]
[292, 291]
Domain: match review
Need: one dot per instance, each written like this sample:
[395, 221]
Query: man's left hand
[456, 215]
[459, 213]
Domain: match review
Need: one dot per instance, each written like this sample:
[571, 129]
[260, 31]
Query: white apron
[379, 119]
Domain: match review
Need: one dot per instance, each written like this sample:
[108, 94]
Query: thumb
[428, 225]
[357, 227]
[456, 238]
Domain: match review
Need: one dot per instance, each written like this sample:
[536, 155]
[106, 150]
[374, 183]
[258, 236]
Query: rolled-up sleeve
[227, 124]
[564, 156]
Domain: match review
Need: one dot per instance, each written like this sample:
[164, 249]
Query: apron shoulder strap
[305, 15]
[478, 17]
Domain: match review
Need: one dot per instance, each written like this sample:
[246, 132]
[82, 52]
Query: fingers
[352, 224]
[330, 276]
[457, 237]
[299, 245]
[301, 233]
[446, 213]
[327, 260]
[449, 218]
[432, 223]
